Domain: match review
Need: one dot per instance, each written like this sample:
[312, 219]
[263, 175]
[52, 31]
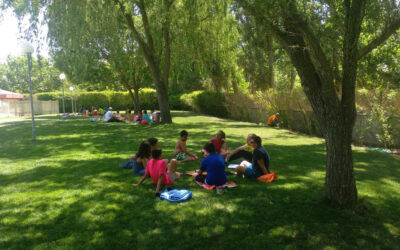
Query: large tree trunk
[163, 102]
[340, 186]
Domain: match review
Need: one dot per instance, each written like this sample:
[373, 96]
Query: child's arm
[159, 182]
[225, 146]
[262, 165]
[183, 147]
[144, 162]
[141, 180]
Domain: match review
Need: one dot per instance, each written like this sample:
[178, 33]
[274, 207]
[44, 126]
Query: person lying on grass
[260, 162]
[214, 165]
[181, 154]
[220, 145]
[245, 151]
[161, 173]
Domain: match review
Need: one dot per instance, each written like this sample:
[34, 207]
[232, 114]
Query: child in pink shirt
[160, 172]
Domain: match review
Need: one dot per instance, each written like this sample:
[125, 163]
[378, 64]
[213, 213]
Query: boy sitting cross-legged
[160, 172]
[181, 153]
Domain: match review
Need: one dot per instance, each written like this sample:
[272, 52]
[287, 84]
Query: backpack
[176, 195]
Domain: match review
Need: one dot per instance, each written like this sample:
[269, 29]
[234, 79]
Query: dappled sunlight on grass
[67, 191]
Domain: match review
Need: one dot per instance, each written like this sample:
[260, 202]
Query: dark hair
[145, 111]
[144, 150]
[209, 147]
[257, 140]
[184, 133]
[222, 133]
[156, 153]
[153, 141]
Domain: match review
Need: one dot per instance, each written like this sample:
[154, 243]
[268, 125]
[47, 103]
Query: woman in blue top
[146, 117]
[141, 158]
[215, 167]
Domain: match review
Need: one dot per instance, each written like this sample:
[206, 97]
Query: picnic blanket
[228, 184]
[267, 177]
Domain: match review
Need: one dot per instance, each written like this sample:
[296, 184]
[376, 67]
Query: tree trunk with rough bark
[146, 44]
[134, 100]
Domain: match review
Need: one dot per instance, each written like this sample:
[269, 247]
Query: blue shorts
[250, 172]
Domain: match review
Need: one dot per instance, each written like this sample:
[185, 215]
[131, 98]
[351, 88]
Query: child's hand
[195, 157]
[135, 184]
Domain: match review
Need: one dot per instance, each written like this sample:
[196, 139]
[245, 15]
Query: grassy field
[67, 191]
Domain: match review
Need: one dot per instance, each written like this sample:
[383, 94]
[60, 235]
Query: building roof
[4, 94]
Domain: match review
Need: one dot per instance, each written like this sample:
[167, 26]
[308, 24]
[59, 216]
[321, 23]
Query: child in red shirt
[160, 172]
[220, 144]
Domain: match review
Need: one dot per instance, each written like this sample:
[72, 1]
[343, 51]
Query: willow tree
[82, 37]
[148, 21]
[322, 39]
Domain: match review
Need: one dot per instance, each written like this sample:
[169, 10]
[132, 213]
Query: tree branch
[167, 48]
[386, 33]
[131, 26]
[146, 26]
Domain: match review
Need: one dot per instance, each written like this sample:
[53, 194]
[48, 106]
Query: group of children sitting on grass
[148, 160]
[142, 117]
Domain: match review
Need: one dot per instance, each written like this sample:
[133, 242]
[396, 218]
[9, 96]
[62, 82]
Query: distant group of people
[141, 117]
[148, 160]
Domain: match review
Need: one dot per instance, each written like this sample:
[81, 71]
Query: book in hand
[233, 165]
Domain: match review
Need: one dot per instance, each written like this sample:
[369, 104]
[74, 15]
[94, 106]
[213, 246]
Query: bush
[115, 99]
[176, 103]
[206, 102]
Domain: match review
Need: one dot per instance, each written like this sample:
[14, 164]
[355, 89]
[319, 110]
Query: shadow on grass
[73, 195]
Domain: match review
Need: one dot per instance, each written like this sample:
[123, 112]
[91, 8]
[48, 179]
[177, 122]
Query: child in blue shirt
[214, 165]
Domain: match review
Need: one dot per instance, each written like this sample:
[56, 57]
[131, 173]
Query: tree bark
[340, 186]
[135, 103]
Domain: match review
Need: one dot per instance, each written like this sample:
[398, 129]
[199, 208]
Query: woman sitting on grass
[245, 151]
[260, 161]
[161, 173]
[141, 158]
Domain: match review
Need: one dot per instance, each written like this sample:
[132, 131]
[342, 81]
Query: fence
[22, 108]
[364, 132]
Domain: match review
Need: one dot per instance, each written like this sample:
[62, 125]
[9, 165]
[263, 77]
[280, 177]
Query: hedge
[116, 99]
[207, 102]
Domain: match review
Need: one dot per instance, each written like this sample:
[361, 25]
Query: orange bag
[267, 177]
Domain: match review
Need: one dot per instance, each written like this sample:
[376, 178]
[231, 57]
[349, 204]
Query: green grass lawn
[67, 191]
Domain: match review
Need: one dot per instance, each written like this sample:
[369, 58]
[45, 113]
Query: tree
[110, 54]
[44, 76]
[304, 29]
